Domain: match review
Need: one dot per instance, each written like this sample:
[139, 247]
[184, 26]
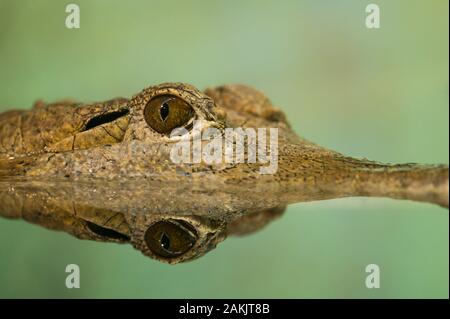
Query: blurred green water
[381, 94]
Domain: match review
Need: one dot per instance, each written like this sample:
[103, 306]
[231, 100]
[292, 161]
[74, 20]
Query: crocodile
[106, 171]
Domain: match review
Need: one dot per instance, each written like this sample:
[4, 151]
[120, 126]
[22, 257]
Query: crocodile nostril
[170, 238]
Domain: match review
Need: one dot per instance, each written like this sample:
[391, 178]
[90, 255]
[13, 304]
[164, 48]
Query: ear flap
[108, 133]
[242, 98]
[250, 223]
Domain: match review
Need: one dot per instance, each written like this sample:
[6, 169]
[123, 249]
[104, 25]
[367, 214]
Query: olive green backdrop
[381, 94]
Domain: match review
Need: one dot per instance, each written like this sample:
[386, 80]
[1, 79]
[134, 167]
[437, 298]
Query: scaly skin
[60, 143]
[50, 141]
[122, 212]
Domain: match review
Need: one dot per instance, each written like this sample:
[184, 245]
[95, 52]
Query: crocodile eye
[163, 113]
[170, 238]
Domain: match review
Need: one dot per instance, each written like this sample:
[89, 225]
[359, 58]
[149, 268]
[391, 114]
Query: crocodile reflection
[108, 213]
[105, 170]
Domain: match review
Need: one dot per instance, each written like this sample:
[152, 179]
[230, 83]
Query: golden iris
[163, 113]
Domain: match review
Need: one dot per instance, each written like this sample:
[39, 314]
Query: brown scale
[103, 171]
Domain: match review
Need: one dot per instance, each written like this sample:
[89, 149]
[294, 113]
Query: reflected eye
[170, 238]
[163, 113]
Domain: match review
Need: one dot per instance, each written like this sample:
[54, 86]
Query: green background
[381, 94]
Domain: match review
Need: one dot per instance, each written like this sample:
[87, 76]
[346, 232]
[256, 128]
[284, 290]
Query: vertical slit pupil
[165, 241]
[164, 111]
